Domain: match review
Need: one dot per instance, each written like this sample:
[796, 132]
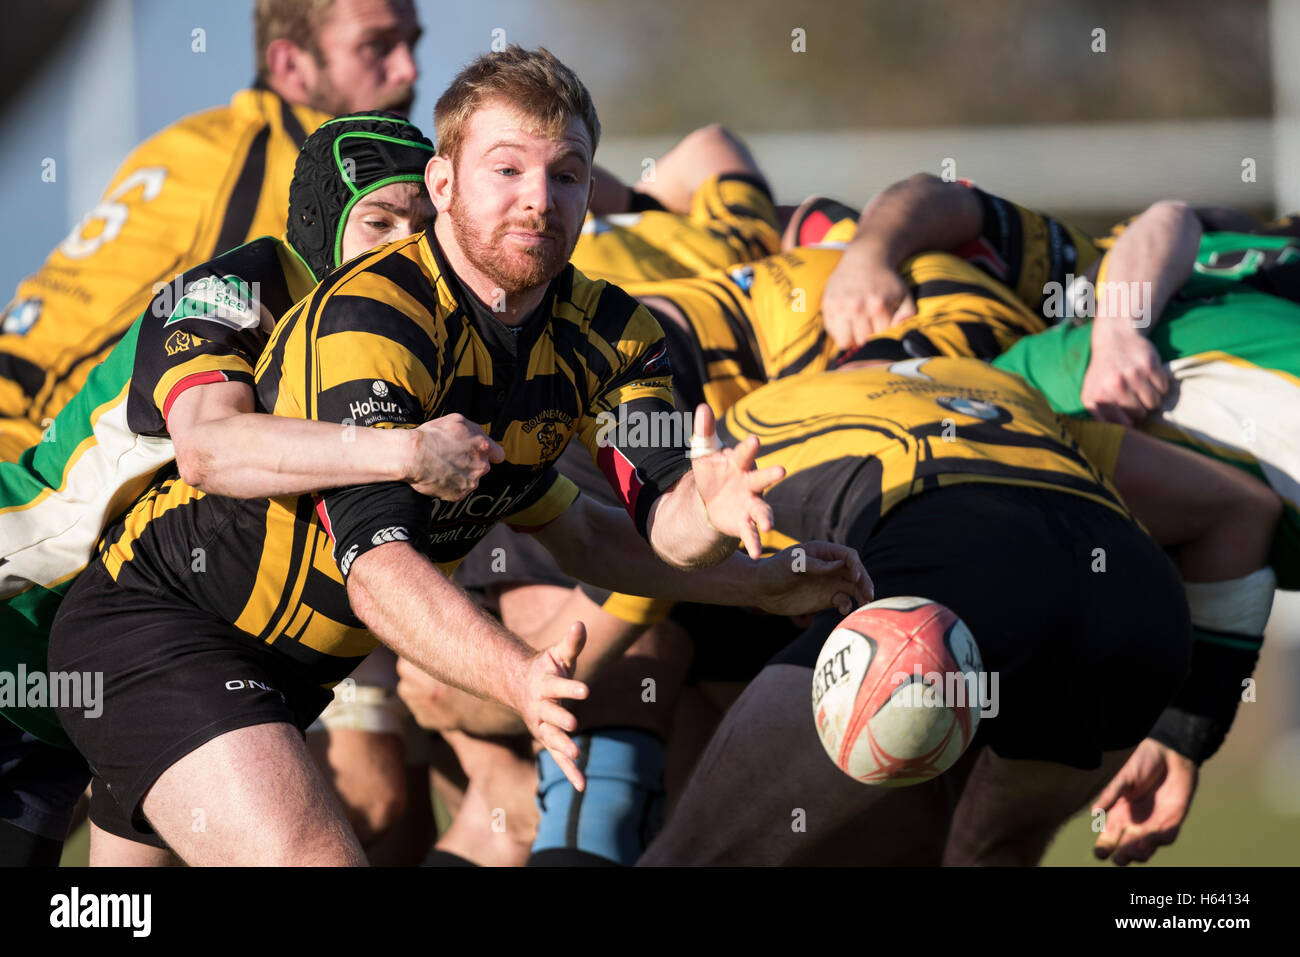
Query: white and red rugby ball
[891, 694]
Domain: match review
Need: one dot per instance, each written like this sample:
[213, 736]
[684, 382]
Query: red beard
[515, 269]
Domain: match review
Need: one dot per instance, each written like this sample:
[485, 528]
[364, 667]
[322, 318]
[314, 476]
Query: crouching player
[1214, 371]
[958, 483]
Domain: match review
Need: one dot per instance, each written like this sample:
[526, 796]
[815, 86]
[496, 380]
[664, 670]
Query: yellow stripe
[174, 495]
[549, 507]
[365, 355]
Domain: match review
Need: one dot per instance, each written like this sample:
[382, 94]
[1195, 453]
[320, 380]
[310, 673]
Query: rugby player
[479, 315]
[998, 519]
[1226, 345]
[200, 187]
[1110, 369]
[183, 374]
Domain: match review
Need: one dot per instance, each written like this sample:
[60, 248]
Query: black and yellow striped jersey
[763, 321]
[857, 442]
[392, 340]
[210, 325]
[732, 220]
[1033, 254]
[204, 185]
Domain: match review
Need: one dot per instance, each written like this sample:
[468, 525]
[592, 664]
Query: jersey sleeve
[206, 330]
[356, 377]
[1030, 252]
[551, 497]
[631, 426]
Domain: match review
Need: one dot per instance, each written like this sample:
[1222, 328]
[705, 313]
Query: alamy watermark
[54, 689]
[951, 689]
[1079, 297]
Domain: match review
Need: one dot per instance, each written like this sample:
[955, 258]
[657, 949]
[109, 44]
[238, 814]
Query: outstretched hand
[731, 487]
[549, 678]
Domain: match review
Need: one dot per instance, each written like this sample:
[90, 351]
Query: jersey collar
[502, 340]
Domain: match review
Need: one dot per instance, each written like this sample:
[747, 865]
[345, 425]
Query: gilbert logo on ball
[895, 692]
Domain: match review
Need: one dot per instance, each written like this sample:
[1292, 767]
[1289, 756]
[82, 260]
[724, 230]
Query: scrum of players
[485, 475]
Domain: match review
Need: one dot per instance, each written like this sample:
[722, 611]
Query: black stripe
[950, 287]
[983, 343]
[752, 179]
[806, 357]
[934, 468]
[344, 314]
[27, 374]
[768, 447]
[299, 551]
[737, 319]
[575, 806]
[989, 433]
[289, 121]
[242, 205]
[410, 278]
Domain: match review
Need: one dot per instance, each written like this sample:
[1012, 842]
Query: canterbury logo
[394, 533]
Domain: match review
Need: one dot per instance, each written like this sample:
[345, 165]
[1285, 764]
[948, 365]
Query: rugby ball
[896, 691]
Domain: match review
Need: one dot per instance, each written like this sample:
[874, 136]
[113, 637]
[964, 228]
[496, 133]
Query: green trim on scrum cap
[347, 210]
[362, 134]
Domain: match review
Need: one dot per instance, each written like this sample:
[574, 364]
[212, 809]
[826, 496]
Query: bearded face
[517, 196]
[517, 255]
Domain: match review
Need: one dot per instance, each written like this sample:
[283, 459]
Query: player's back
[208, 183]
[857, 442]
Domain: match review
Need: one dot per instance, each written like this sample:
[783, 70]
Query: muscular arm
[1150, 260]
[427, 620]
[224, 447]
[599, 544]
[915, 214]
[865, 295]
[439, 707]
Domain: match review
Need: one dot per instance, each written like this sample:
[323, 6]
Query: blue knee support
[622, 808]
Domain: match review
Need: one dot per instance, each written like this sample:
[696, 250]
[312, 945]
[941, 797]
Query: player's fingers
[555, 687]
[761, 479]
[566, 650]
[823, 566]
[1116, 788]
[570, 769]
[1144, 390]
[744, 455]
[553, 714]
[705, 426]
[862, 330]
[906, 309]
[1137, 846]
[555, 739]
[1110, 412]
[496, 453]
[750, 539]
